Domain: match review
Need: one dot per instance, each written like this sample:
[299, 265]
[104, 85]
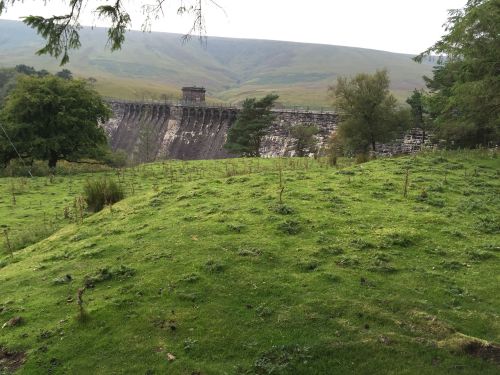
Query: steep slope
[231, 69]
[211, 275]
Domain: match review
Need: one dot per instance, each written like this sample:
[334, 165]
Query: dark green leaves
[51, 118]
[120, 20]
[61, 32]
[245, 135]
[466, 85]
[368, 110]
[61, 36]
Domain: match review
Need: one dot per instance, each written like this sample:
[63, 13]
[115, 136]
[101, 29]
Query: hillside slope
[204, 272]
[231, 69]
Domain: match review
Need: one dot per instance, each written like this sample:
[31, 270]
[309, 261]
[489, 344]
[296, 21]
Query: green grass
[202, 262]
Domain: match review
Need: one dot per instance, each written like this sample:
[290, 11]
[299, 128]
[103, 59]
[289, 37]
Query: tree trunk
[373, 146]
[53, 160]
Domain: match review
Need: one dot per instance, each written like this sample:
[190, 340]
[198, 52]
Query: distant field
[231, 69]
[202, 270]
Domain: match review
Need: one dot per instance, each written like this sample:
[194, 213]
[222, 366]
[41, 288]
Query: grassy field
[202, 270]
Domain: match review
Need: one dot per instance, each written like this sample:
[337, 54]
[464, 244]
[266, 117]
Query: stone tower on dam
[192, 129]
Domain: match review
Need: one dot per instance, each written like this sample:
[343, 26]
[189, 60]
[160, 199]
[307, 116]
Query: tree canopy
[419, 103]
[61, 32]
[7, 83]
[244, 137]
[465, 87]
[51, 118]
[368, 111]
[305, 142]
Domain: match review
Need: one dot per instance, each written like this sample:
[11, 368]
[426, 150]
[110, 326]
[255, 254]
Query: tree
[333, 148]
[304, 139]
[53, 119]
[30, 71]
[7, 83]
[25, 69]
[368, 111]
[465, 86]
[7, 153]
[245, 135]
[61, 32]
[419, 103]
[65, 74]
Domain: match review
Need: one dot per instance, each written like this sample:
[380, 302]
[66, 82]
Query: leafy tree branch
[61, 32]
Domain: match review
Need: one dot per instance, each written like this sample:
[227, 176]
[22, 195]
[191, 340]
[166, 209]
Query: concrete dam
[196, 130]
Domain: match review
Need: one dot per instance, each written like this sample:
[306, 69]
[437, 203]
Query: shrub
[334, 149]
[101, 192]
[362, 158]
[116, 159]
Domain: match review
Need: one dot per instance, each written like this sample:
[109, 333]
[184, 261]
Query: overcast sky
[408, 26]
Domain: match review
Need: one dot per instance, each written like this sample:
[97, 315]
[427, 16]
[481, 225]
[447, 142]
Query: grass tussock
[102, 192]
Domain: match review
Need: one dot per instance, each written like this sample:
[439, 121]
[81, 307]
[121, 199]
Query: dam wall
[153, 131]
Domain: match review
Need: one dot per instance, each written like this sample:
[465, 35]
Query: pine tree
[244, 137]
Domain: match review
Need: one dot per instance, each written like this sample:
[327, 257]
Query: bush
[101, 192]
[362, 158]
[116, 159]
[334, 149]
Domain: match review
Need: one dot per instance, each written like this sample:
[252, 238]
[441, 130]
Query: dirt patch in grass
[490, 352]
[472, 346]
[11, 361]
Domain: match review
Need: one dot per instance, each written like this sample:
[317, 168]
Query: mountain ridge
[231, 69]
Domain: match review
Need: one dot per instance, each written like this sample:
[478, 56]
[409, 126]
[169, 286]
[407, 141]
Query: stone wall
[407, 143]
[151, 131]
[278, 142]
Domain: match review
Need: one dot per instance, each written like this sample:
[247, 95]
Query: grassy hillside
[230, 69]
[202, 271]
